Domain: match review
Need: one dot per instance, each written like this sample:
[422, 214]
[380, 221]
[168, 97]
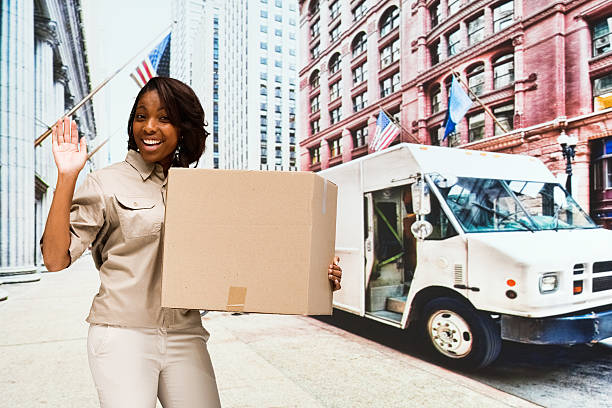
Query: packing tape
[324, 204]
[236, 298]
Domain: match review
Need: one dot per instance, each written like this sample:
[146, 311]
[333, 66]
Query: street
[283, 361]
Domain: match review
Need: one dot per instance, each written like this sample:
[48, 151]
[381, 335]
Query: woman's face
[154, 135]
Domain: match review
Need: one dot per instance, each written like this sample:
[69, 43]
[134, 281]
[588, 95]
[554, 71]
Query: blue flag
[458, 104]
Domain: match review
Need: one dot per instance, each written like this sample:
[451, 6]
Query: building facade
[258, 85]
[541, 67]
[43, 73]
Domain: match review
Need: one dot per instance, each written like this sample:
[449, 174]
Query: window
[335, 115]
[279, 3]
[359, 11]
[505, 116]
[314, 79]
[503, 71]
[503, 16]
[335, 147]
[263, 45]
[334, 90]
[390, 85]
[277, 92]
[334, 10]
[602, 93]
[292, 52]
[278, 17]
[278, 48]
[448, 81]
[263, 60]
[314, 7]
[601, 157]
[278, 78]
[263, 90]
[315, 155]
[359, 44]
[292, 94]
[476, 30]
[278, 32]
[314, 29]
[454, 42]
[453, 139]
[263, 76]
[292, 21]
[263, 13]
[476, 125]
[292, 35]
[359, 102]
[263, 119]
[390, 54]
[435, 97]
[435, 52]
[359, 74]
[602, 35]
[434, 136]
[476, 79]
[315, 51]
[334, 34]
[334, 63]
[278, 63]
[360, 136]
[263, 28]
[453, 6]
[314, 104]
[314, 126]
[389, 21]
[434, 14]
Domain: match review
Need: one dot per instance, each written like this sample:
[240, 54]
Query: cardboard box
[253, 241]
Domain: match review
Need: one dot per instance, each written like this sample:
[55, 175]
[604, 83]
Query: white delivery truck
[472, 247]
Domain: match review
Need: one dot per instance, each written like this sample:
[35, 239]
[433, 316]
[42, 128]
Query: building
[542, 67]
[258, 77]
[43, 73]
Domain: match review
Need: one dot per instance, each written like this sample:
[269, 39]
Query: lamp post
[568, 147]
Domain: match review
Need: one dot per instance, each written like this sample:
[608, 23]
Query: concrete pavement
[260, 360]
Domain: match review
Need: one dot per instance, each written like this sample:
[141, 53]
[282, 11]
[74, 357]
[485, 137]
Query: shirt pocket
[139, 216]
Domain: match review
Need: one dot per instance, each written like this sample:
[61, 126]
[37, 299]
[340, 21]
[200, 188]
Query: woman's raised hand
[70, 155]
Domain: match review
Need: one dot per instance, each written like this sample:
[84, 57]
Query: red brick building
[541, 66]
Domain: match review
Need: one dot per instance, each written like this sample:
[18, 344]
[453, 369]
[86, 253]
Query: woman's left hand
[334, 273]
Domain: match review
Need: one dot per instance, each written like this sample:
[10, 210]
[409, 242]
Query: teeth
[152, 142]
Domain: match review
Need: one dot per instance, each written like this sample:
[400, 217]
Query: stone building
[43, 73]
[543, 68]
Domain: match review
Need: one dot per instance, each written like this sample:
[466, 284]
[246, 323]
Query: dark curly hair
[184, 111]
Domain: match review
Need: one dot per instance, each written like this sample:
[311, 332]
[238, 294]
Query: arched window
[314, 79]
[314, 7]
[435, 98]
[503, 71]
[334, 63]
[359, 44]
[389, 21]
[475, 76]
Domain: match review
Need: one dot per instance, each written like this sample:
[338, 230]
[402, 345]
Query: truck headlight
[549, 282]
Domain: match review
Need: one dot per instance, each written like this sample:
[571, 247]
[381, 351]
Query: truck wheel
[463, 337]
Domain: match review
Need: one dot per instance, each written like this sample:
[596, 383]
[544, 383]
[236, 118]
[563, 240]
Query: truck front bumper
[576, 328]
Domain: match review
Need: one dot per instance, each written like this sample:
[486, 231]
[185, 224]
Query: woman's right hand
[69, 153]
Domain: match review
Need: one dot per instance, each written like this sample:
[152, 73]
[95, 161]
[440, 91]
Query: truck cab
[490, 248]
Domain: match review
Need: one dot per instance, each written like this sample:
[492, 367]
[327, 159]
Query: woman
[138, 351]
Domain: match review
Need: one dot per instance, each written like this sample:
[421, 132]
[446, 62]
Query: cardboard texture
[253, 241]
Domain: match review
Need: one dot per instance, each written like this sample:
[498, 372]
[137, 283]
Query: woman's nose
[149, 125]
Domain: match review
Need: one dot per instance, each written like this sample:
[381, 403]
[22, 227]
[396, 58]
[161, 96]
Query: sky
[115, 31]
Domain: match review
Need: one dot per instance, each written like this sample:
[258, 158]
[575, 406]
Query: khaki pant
[132, 367]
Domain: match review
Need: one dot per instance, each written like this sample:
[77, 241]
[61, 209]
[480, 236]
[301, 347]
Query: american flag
[147, 69]
[386, 131]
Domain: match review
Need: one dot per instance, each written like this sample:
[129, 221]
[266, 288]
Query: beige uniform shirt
[119, 210]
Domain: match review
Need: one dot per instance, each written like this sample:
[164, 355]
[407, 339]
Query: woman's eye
[139, 116]
[164, 119]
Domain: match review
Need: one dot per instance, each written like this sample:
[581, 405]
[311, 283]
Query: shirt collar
[145, 169]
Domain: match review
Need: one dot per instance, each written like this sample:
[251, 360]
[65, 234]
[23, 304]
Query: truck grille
[603, 283]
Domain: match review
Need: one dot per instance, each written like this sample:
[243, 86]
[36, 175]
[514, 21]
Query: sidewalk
[260, 360]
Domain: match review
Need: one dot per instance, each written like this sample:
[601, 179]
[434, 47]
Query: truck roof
[464, 162]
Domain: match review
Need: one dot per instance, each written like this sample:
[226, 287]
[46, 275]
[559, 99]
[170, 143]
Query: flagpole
[47, 132]
[398, 124]
[94, 151]
[486, 109]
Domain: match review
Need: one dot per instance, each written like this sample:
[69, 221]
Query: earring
[177, 153]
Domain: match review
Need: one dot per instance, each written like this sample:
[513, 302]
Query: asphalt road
[551, 376]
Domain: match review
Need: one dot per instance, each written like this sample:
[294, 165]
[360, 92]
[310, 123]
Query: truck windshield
[488, 205]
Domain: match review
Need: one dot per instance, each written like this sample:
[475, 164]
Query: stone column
[44, 112]
[17, 134]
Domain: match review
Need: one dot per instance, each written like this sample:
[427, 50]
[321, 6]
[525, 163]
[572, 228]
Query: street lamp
[568, 147]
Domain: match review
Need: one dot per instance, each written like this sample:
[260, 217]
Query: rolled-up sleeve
[87, 215]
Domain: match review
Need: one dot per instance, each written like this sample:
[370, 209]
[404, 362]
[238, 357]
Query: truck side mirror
[420, 198]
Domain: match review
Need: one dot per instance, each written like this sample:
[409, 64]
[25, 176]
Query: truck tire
[461, 336]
